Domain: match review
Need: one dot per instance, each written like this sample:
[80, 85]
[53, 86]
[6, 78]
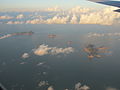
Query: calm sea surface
[62, 71]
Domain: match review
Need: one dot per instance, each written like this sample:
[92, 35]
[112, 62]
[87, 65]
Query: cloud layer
[76, 15]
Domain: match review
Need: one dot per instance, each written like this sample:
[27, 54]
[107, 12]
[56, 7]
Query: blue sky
[45, 3]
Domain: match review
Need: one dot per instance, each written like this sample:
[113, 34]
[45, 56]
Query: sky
[11, 4]
[56, 12]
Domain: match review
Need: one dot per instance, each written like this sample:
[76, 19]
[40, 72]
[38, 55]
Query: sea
[54, 56]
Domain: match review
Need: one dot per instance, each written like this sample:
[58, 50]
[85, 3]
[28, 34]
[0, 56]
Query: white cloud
[10, 22]
[55, 50]
[50, 88]
[43, 83]
[74, 20]
[42, 50]
[85, 87]
[20, 16]
[53, 20]
[22, 63]
[103, 34]
[35, 21]
[45, 49]
[78, 86]
[41, 63]
[6, 17]
[58, 20]
[15, 22]
[110, 88]
[103, 17]
[77, 15]
[25, 55]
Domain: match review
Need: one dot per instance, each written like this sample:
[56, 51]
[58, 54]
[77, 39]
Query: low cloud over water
[46, 50]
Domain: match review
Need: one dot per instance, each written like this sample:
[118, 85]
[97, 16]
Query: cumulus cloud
[77, 15]
[25, 55]
[6, 17]
[110, 88]
[85, 87]
[78, 86]
[20, 16]
[54, 20]
[45, 49]
[58, 20]
[50, 88]
[74, 19]
[55, 50]
[103, 17]
[42, 50]
[35, 21]
[43, 83]
[15, 22]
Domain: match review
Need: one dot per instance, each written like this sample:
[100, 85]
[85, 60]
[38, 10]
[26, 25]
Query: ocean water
[60, 70]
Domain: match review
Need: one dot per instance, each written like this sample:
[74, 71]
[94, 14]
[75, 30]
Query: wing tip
[118, 10]
[98, 0]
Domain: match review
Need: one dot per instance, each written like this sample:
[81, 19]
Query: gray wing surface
[108, 2]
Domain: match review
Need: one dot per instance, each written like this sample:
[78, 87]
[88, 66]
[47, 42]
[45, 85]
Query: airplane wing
[108, 2]
[2, 87]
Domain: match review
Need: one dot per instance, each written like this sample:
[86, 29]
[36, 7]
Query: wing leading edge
[108, 2]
